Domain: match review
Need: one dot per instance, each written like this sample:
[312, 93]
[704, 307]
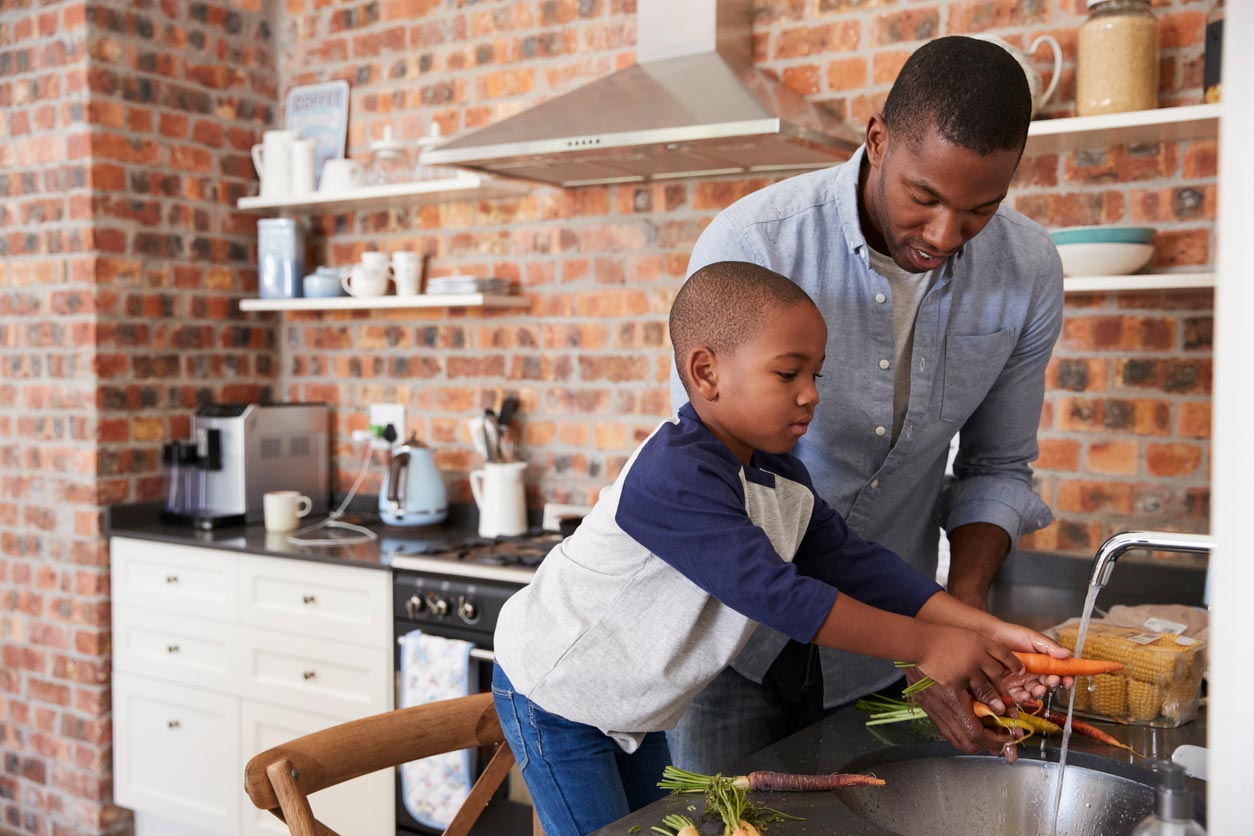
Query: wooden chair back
[282, 779]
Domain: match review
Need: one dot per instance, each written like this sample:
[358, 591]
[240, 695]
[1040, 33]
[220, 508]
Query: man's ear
[876, 140]
[703, 372]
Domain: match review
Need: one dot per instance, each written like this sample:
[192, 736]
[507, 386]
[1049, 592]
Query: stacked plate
[467, 284]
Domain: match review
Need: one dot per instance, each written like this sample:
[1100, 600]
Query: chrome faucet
[1163, 541]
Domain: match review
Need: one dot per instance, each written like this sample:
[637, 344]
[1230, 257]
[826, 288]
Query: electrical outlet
[554, 511]
[382, 414]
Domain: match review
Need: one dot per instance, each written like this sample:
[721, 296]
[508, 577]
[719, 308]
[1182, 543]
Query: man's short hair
[972, 92]
[723, 304]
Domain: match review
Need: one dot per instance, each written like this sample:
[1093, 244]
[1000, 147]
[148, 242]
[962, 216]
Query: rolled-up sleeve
[992, 474]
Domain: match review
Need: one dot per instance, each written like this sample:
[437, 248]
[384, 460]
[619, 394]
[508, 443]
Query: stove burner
[527, 550]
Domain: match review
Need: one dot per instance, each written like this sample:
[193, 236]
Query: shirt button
[883, 364]
[875, 483]
[880, 430]
[880, 297]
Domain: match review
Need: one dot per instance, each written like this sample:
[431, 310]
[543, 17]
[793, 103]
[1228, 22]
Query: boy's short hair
[722, 304]
[972, 92]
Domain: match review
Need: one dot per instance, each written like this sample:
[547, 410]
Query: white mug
[340, 175]
[360, 281]
[502, 500]
[283, 509]
[272, 159]
[375, 261]
[406, 268]
[302, 167]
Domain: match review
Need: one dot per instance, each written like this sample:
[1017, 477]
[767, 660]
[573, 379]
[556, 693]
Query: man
[942, 307]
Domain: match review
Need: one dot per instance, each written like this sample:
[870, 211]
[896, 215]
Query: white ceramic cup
[361, 282]
[376, 262]
[340, 175]
[501, 497]
[273, 161]
[406, 269]
[302, 167]
[283, 510]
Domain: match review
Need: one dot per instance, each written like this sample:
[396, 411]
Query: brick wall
[126, 129]
[1124, 433]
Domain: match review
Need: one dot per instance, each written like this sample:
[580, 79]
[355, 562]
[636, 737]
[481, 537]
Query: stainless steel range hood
[694, 105]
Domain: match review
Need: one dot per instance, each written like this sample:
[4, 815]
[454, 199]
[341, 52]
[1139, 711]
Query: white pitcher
[501, 498]
[273, 161]
[1025, 61]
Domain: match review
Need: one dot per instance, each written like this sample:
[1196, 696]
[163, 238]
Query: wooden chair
[282, 779]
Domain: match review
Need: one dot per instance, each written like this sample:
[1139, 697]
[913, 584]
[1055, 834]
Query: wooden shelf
[353, 303]
[1142, 281]
[1140, 126]
[465, 186]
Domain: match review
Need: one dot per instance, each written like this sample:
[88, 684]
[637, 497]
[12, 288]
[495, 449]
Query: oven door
[509, 811]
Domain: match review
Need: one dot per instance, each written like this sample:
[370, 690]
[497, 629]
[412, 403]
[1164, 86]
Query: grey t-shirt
[907, 292]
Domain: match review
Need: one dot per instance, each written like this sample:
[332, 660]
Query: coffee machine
[237, 453]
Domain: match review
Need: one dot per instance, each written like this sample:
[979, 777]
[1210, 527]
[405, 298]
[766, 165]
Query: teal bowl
[1103, 235]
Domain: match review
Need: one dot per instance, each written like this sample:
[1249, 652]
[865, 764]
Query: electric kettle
[413, 493]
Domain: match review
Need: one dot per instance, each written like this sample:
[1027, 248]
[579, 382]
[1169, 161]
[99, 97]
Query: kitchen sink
[931, 793]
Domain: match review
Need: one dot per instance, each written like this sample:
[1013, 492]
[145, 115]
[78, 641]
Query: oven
[457, 591]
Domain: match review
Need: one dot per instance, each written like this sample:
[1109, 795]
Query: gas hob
[507, 559]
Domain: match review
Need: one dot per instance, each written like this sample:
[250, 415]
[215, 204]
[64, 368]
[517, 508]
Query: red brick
[1113, 457]
[1194, 420]
[801, 41]
[1177, 248]
[1170, 460]
[1058, 454]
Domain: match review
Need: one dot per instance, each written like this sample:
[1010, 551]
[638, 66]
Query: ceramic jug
[1025, 60]
[502, 500]
[273, 161]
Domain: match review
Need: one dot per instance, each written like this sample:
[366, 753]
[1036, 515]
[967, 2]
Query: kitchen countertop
[143, 521]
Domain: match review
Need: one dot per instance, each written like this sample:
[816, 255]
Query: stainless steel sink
[930, 793]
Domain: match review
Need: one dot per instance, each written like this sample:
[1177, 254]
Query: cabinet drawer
[362, 807]
[317, 599]
[193, 651]
[176, 752]
[333, 678]
[184, 580]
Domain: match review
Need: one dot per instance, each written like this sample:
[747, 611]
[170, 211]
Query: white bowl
[1104, 259]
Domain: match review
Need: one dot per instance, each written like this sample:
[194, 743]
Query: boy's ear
[703, 372]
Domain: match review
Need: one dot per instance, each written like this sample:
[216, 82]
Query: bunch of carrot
[1037, 664]
[726, 797]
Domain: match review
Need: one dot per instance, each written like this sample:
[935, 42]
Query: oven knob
[468, 611]
[438, 606]
[413, 606]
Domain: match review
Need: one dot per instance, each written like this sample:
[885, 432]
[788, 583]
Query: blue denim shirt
[983, 336]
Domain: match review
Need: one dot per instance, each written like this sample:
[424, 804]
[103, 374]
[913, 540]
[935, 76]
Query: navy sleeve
[688, 508]
[865, 571]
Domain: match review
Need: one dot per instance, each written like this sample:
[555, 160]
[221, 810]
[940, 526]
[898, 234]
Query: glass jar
[389, 161]
[1117, 58]
[431, 141]
[1212, 91]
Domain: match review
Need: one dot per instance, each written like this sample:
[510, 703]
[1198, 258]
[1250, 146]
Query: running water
[1085, 615]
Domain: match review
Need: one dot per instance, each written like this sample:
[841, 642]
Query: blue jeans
[734, 717]
[579, 779]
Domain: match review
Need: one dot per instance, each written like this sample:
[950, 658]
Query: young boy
[711, 528]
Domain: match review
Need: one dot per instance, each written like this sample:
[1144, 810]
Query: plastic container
[280, 258]
[1173, 813]
[1160, 683]
[1117, 58]
[389, 161]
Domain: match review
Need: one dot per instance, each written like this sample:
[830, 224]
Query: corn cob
[1110, 695]
[1144, 700]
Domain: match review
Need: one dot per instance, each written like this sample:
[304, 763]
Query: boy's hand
[966, 660]
[1016, 637]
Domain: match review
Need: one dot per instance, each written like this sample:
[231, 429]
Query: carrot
[1045, 665]
[681, 825]
[748, 829]
[789, 782]
[1027, 722]
[1089, 730]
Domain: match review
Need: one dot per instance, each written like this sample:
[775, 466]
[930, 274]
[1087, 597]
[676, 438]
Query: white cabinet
[213, 652]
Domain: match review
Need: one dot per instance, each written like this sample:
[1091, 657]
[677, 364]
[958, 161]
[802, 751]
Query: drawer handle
[171, 578]
[173, 724]
[309, 599]
[171, 648]
[309, 674]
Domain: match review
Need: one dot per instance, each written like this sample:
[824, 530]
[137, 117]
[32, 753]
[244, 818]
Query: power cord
[334, 519]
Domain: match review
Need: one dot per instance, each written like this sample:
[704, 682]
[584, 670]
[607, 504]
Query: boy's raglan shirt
[665, 580]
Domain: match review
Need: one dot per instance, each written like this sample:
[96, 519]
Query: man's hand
[951, 711]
